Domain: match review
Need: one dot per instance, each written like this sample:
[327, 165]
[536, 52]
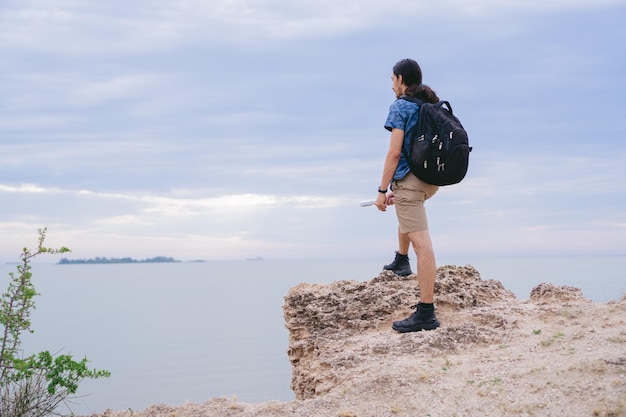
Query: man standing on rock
[399, 186]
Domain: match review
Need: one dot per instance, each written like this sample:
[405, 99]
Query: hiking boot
[422, 319]
[400, 265]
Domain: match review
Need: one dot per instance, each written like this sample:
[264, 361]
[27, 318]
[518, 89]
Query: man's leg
[426, 266]
[424, 317]
[401, 265]
[403, 242]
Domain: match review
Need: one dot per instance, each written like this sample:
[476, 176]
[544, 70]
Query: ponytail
[422, 92]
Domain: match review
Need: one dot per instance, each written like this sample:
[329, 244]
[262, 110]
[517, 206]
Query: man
[400, 187]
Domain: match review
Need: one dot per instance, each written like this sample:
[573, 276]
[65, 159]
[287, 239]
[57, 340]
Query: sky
[234, 129]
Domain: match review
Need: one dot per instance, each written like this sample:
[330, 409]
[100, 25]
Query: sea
[179, 332]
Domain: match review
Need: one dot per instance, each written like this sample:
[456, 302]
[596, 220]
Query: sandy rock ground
[554, 354]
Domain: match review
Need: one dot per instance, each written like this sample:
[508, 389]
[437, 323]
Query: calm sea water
[177, 332]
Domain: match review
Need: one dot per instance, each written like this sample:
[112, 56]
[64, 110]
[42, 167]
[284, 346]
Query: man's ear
[400, 79]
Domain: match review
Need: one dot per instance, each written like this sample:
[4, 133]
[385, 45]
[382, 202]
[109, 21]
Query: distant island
[99, 260]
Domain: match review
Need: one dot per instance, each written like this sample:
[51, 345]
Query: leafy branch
[36, 385]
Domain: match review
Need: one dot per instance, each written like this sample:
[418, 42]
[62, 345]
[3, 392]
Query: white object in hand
[366, 203]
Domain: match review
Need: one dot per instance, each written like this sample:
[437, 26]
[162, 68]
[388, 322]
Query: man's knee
[421, 242]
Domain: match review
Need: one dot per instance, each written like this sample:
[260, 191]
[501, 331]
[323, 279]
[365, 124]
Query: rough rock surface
[325, 322]
[555, 354]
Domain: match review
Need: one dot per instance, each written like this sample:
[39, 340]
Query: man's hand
[381, 202]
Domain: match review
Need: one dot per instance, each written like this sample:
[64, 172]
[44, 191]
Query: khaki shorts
[410, 193]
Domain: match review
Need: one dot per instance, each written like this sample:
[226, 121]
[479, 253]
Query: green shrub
[35, 385]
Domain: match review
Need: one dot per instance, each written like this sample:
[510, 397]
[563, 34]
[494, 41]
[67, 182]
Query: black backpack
[439, 149]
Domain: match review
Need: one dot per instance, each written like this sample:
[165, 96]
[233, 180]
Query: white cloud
[12, 122]
[115, 88]
[284, 19]
[177, 205]
[57, 90]
[131, 224]
[72, 27]
[27, 189]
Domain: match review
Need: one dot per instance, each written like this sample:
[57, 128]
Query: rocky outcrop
[545, 293]
[323, 319]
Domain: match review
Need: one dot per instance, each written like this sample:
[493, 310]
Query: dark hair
[412, 77]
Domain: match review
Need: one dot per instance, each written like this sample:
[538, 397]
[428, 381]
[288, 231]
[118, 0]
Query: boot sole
[430, 326]
[400, 273]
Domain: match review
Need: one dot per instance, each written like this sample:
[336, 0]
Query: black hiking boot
[422, 319]
[400, 265]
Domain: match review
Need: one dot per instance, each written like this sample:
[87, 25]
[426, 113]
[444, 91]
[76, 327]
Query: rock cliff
[341, 342]
[327, 322]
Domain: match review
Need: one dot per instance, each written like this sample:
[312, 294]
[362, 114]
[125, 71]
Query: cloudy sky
[228, 129]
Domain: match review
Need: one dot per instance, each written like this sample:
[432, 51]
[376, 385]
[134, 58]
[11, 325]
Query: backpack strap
[420, 102]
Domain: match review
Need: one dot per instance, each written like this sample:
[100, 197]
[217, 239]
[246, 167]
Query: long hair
[412, 77]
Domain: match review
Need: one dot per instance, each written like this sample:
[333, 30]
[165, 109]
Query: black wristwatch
[382, 191]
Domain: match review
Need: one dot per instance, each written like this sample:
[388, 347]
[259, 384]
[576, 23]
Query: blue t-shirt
[402, 115]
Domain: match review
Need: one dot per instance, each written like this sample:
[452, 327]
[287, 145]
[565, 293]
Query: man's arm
[391, 163]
